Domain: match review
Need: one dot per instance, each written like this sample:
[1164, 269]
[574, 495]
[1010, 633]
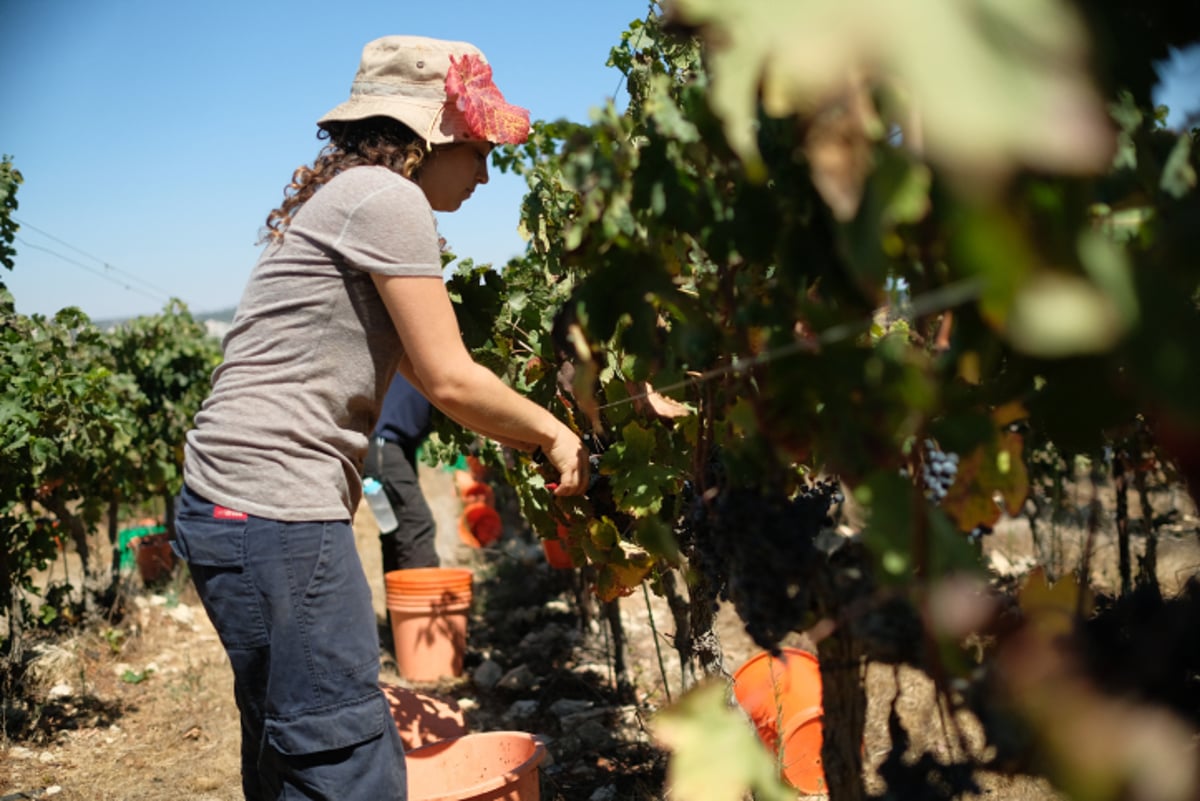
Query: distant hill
[220, 315]
[216, 323]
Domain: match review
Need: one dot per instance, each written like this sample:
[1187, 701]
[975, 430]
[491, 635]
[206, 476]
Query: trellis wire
[940, 299]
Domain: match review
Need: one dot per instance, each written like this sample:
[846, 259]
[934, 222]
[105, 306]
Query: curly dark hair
[375, 141]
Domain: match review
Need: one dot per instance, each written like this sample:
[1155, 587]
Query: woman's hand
[569, 457]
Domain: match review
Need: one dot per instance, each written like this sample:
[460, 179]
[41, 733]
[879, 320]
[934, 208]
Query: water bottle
[381, 507]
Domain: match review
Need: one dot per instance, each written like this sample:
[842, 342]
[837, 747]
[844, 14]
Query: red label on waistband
[221, 513]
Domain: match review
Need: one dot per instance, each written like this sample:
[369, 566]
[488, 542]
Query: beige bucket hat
[405, 78]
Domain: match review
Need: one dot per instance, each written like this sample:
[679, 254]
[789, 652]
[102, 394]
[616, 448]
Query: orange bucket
[476, 468]
[472, 489]
[556, 553]
[782, 696]
[430, 638]
[445, 584]
[800, 760]
[478, 492]
[428, 608]
[479, 525]
[425, 578]
[428, 581]
[489, 766]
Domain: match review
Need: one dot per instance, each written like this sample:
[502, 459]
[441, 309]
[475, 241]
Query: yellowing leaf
[604, 534]
[632, 564]
[716, 755]
[622, 570]
[609, 586]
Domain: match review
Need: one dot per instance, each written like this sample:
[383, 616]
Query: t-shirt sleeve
[388, 226]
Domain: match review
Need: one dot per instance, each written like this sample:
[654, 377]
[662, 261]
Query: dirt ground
[143, 710]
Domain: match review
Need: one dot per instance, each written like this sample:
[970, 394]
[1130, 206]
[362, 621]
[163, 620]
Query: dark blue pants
[293, 610]
[413, 543]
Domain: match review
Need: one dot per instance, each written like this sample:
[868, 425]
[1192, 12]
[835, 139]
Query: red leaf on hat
[489, 116]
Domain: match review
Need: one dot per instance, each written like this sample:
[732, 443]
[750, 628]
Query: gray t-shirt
[311, 353]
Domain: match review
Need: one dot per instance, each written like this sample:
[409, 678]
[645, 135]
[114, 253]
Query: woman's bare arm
[406, 370]
[442, 369]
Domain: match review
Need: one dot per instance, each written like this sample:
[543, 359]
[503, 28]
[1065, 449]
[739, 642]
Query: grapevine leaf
[1108, 265]
[994, 83]
[715, 754]
[651, 403]
[888, 498]
[630, 566]
[1055, 315]
[656, 537]
[640, 489]
[608, 587]
[535, 370]
[642, 480]
[995, 468]
[950, 553]
[662, 110]
[476, 292]
[489, 116]
[638, 442]
[1179, 176]
[584, 379]
[604, 536]
[896, 193]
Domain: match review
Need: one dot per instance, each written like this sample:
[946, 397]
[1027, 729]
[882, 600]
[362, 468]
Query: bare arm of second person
[439, 365]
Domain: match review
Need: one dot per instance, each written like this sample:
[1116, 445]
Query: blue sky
[155, 136]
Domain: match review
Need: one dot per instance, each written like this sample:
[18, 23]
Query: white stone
[557, 606]
[183, 614]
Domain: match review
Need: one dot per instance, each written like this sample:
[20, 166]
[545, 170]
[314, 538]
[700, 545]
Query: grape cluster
[599, 491]
[938, 470]
[695, 538]
[758, 550]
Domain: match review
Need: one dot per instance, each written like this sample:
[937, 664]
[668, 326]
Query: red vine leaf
[489, 116]
[648, 401]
